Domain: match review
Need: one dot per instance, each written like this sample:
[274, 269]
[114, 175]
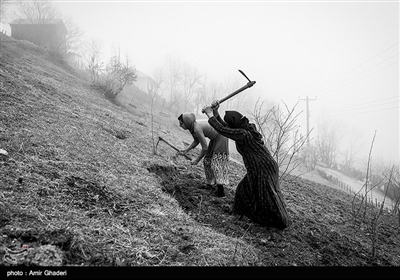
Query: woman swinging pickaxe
[248, 85]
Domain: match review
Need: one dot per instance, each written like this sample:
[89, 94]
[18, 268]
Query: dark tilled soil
[322, 232]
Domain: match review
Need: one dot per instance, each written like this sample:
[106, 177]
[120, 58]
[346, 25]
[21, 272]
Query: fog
[342, 54]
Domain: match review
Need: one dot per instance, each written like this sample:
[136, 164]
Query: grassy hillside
[81, 186]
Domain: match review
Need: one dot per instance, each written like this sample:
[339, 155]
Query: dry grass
[75, 167]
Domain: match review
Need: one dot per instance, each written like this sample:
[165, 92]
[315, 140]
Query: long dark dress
[258, 195]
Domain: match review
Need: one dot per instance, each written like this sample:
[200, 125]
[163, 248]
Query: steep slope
[81, 186]
[69, 172]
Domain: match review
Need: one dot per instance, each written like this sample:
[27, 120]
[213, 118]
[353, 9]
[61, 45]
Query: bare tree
[227, 86]
[118, 74]
[396, 195]
[281, 135]
[310, 156]
[91, 53]
[367, 180]
[4, 5]
[74, 39]
[371, 213]
[207, 92]
[349, 154]
[190, 82]
[200, 94]
[362, 206]
[328, 140]
[214, 93]
[36, 11]
[393, 188]
[173, 77]
[158, 75]
[373, 223]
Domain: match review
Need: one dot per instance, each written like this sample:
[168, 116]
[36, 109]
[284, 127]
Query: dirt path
[356, 185]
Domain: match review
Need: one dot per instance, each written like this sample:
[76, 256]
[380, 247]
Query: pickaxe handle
[172, 146]
[248, 85]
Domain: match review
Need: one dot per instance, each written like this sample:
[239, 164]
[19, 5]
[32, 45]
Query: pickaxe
[172, 146]
[248, 85]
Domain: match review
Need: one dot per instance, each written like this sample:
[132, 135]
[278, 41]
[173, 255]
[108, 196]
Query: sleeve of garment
[236, 134]
[201, 138]
[221, 121]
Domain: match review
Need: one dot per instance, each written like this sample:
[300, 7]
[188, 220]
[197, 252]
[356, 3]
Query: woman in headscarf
[258, 195]
[215, 153]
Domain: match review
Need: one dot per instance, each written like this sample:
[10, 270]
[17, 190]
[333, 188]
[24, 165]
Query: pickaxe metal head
[241, 72]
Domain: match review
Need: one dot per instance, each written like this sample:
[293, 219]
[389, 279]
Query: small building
[144, 82]
[50, 34]
[5, 28]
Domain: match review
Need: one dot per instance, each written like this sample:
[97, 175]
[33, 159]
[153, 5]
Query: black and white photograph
[199, 139]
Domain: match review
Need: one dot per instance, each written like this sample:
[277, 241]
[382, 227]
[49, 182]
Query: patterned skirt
[216, 161]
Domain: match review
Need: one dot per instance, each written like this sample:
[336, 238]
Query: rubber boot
[220, 190]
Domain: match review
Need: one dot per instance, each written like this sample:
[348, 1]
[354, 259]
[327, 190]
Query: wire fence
[361, 194]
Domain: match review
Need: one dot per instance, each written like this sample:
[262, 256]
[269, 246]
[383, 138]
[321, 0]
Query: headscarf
[235, 119]
[188, 120]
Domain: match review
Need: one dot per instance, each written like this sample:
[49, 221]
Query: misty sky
[345, 54]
